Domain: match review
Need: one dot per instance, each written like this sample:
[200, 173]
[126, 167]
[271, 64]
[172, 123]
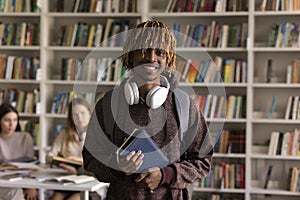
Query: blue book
[272, 108]
[176, 28]
[141, 140]
[268, 177]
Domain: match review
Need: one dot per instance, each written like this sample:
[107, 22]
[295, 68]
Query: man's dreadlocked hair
[150, 34]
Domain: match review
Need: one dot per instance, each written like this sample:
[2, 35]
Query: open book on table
[139, 139]
[56, 160]
[69, 179]
[16, 171]
[7, 166]
[15, 176]
[17, 167]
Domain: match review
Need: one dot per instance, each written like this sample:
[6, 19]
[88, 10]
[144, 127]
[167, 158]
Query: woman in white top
[14, 145]
[69, 142]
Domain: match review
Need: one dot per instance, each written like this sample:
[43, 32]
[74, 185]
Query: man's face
[149, 64]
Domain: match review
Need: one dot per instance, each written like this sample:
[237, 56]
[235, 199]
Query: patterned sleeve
[98, 158]
[197, 162]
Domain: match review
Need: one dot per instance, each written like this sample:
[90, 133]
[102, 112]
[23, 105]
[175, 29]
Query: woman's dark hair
[7, 108]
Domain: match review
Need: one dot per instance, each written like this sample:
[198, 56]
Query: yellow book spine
[91, 35]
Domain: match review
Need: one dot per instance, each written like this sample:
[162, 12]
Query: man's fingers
[133, 167]
[140, 177]
[137, 156]
[132, 162]
[151, 169]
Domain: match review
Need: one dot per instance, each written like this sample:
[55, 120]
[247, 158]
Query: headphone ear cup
[150, 95]
[128, 93]
[136, 94]
[156, 96]
[131, 93]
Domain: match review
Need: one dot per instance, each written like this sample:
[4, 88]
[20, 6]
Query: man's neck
[143, 90]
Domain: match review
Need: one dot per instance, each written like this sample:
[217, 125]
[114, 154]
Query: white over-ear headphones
[155, 97]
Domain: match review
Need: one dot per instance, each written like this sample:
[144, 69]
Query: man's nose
[150, 55]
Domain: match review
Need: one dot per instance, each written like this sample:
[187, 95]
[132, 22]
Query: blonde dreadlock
[150, 34]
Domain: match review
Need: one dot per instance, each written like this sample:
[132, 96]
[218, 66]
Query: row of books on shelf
[101, 6]
[231, 141]
[24, 101]
[20, 34]
[284, 143]
[110, 69]
[200, 35]
[284, 34]
[62, 100]
[19, 67]
[18, 6]
[91, 35]
[212, 35]
[92, 69]
[293, 73]
[220, 70]
[206, 6]
[224, 176]
[292, 110]
[33, 128]
[214, 106]
[278, 5]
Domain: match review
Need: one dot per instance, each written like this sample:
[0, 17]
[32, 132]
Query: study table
[46, 172]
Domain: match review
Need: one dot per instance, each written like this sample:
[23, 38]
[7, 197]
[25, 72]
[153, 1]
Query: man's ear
[130, 59]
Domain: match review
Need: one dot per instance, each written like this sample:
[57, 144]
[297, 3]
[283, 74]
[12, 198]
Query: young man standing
[146, 100]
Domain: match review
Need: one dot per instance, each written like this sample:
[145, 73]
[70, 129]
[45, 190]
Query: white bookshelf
[262, 127]
[258, 93]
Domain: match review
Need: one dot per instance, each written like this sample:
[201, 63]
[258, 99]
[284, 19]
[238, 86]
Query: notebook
[139, 139]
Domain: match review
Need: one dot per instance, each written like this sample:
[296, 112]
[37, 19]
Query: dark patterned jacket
[182, 171]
